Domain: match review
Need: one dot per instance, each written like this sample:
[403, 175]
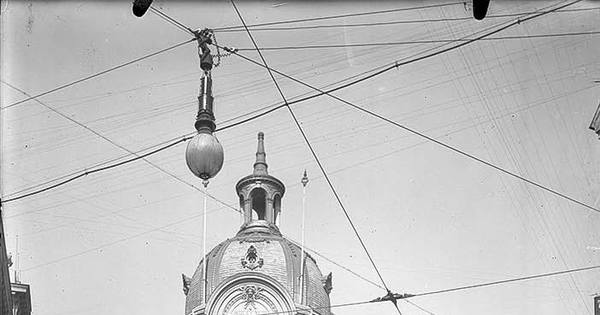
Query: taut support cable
[314, 154]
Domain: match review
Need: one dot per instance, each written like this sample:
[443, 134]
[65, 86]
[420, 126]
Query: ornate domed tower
[258, 271]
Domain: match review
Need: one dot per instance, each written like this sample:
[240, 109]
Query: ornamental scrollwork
[251, 260]
[250, 293]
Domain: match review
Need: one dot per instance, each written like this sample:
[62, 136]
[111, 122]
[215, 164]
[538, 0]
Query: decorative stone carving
[254, 238]
[250, 293]
[186, 283]
[252, 261]
[327, 285]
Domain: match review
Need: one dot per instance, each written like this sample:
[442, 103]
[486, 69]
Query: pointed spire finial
[304, 180]
[260, 166]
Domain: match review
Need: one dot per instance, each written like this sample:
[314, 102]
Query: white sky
[116, 242]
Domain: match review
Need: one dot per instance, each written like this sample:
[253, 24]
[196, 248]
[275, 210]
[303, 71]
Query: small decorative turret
[260, 194]
[258, 271]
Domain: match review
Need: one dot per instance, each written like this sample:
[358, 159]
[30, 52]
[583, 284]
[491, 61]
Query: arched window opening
[259, 202]
[277, 207]
[251, 296]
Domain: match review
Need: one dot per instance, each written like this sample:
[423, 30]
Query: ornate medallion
[252, 261]
[250, 293]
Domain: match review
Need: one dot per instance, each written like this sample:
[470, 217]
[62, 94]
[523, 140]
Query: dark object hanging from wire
[140, 7]
[204, 38]
[480, 8]
[204, 153]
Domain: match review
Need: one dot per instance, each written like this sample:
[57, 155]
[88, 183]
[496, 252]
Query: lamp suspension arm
[205, 38]
[205, 120]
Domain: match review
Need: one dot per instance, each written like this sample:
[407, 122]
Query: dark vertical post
[5, 298]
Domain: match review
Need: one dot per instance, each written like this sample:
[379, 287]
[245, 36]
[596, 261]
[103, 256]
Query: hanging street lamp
[204, 153]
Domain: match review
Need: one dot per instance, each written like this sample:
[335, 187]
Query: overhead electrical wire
[556, 236]
[455, 289]
[321, 92]
[92, 171]
[407, 147]
[188, 30]
[112, 143]
[160, 229]
[241, 27]
[315, 156]
[391, 66]
[67, 178]
[417, 42]
[98, 74]
[272, 108]
[479, 285]
[417, 306]
[370, 24]
[160, 14]
[396, 65]
[171, 20]
[187, 219]
[493, 283]
[120, 163]
[335, 263]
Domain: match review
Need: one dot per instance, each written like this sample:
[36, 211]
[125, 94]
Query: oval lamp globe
[204, 155]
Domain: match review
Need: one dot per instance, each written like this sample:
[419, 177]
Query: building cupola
[260, 196]
[258, 271]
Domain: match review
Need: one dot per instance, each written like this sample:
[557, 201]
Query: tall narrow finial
[260, 166]
[304, 180]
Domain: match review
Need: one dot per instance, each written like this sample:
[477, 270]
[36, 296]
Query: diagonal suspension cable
[447, 146]
[142, 157]
[120, 240]
[371, 24]
[98, 74]
[138, 155]
[493, 283]
[462, 288]
[477, 286]
[171, 20]
[155, 149]
[335, 263]
[433, 41]
[268, 110]
[272, 108]
[314, 154]
[169, 143]
[242, 28]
